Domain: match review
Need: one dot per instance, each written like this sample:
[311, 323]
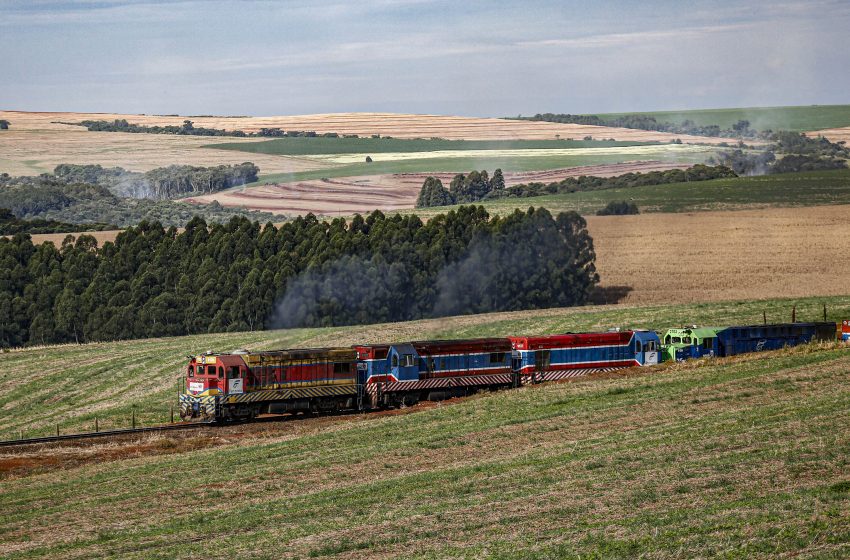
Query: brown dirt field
[714, 256]
[832, 134]
[347, 195]
[34, 145]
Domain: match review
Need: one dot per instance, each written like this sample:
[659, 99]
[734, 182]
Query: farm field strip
[796, 118]
[387, 192]
[71, 385]
[646, 152]
[368, 124]
[744, 454]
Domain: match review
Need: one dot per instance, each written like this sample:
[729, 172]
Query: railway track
[105, 433]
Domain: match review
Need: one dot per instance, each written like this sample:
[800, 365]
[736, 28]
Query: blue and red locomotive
[242, 384]
[245, 384]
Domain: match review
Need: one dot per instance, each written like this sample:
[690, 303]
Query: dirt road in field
[348, 195]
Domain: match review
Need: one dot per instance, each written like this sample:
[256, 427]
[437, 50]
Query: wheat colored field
[712, 256]
[833, 134]
[36, 143]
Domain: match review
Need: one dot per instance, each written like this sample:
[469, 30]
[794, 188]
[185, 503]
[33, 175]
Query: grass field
[72, 385]
[736, 458]
[791, 189]
[798, 118]
[508, 162]
[324, 146]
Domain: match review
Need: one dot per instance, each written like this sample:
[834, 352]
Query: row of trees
[188, 128]
[801, 153]
[11, 224]
[154, 281]
[476, 186]
[85, 194]
[618, 208]
[740, 129]
[471, 187]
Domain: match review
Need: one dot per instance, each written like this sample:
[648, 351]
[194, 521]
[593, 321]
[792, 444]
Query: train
[242, 385]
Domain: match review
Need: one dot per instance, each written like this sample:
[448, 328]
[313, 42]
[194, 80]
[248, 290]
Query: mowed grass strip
[73, 386]
[744, 457]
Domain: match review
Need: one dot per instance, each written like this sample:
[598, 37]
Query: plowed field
[347, 195]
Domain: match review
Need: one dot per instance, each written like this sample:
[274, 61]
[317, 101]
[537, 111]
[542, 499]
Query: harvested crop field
[35, 145]
[832, 134]
[713, 256]
[348, 195]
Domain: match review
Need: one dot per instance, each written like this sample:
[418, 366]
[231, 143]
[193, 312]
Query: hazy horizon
[418, 56]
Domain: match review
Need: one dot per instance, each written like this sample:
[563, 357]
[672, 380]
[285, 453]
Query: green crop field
[72, 385]
[798, 118]
[321, 146]
[790, 189]
[735, 458]
[507, 163]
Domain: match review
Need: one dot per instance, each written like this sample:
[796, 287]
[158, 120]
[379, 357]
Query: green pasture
[72, 385]
[797, 118]
[733, 458]
[466, 164]
[307, 146]
[789, 189]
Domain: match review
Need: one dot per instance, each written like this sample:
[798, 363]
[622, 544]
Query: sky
[262, 57]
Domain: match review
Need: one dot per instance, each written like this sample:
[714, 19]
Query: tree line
[154, 281]
[476, 186]
[188, 128]
[801, 153]
[740, 129]
[11, 224]
[86, 194]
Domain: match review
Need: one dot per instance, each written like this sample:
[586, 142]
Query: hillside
[796, 118]
[744, 456]
[106, 380]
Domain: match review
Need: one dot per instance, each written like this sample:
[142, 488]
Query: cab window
[637, 346]
[686, 340]
[395, 360]
[408, 360]
[234, 372]
[191, 371]
[677, 340]
[210, 370]
[220, 371]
